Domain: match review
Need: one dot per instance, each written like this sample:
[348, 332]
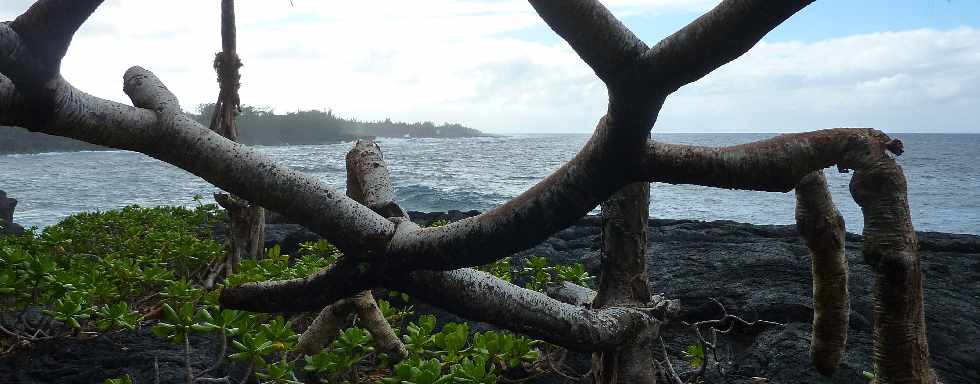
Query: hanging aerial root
[822, 228]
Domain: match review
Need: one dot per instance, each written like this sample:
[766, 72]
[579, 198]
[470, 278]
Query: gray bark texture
[822, 228]
[246, 221]
[624, 282]
[394, 253]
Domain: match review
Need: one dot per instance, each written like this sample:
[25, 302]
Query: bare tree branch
[603, 166]
[775, 164]
[714, 39]
[822, 228]
[161, 131]
[46, 28]
[368, 181]
[600, 39]
[324, 328]
[342, 279]
[480, 296]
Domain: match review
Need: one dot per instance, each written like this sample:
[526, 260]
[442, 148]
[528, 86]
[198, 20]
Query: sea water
[481, 173]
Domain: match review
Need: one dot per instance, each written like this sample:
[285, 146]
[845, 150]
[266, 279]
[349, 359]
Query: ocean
[481, 173]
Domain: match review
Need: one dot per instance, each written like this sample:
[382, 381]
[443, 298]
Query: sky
[895, 65]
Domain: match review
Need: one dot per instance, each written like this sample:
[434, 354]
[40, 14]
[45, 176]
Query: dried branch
[822, 228]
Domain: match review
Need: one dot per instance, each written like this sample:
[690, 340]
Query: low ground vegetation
[104, 272]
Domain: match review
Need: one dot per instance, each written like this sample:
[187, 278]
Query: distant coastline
[260, 127]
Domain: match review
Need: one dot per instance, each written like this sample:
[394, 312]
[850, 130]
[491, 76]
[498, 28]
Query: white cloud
[467, 61]
[920, 80]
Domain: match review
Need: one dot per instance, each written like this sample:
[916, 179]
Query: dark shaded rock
[424, 218]
[287, 236]
[7, 225]
[74, 361]
[763, 272]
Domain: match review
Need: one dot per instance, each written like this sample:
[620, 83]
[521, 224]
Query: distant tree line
[259, 126]
[20, 140]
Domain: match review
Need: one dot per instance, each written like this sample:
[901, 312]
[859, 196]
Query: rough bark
[624, 282]
[822, 228]
[714, 39]
[325, 327]
[37, 98]
[479, 296]
[371, 318]
[570, 293]
[368, 183]
[776, 164]
[246, 221]
[601, 168]
[901, 350]
[246, 224]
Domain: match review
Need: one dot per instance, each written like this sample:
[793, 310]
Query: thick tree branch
[340, 280]
[605, 164]
[600, 39]
[822, 228]
[370, 317]
[46, 29]
[480, 296]
[623, 281]
[368, 181]
[324, 328]
[714, 39]
[161, 131]
[775, 164]
[901, 351]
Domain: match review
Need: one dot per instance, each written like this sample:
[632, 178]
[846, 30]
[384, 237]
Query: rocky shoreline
[763, 272]
[756, 271]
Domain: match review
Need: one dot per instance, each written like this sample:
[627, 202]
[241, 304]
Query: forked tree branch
[47, 29]
[39, 99]
[822, 228]
[157, 128]
[601, 40]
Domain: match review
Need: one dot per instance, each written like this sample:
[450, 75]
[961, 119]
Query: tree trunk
[624, 283]
[822, 228]
[246, 230]
[246, 221]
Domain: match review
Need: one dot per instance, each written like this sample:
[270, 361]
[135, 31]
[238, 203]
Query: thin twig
[670, 367]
